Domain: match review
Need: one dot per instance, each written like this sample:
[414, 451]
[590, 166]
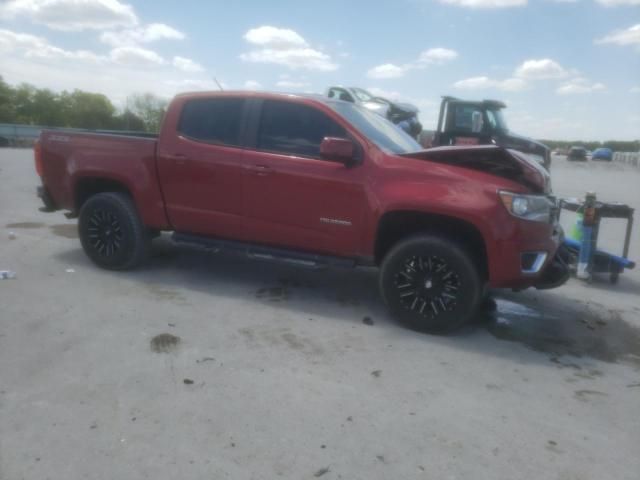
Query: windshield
[379, 130]
[362, 94]
[496, 119]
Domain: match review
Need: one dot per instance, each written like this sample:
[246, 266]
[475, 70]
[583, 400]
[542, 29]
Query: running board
[262, 252]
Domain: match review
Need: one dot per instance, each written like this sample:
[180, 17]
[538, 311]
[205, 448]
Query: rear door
[200, 164]
[293, 197]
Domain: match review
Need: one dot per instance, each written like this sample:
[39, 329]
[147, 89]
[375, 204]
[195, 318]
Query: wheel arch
[396, 225]
[86, 187]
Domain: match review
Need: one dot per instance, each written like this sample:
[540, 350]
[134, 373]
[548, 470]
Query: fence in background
[631, 158]
[18, 135]
[25, 135]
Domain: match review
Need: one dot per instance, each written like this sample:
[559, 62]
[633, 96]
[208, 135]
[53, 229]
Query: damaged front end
[557, 272]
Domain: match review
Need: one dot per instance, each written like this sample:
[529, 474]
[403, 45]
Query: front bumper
[530, 255]
[556, 272]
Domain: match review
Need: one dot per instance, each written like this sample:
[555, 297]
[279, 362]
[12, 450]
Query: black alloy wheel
[112, 233]
[431, 283]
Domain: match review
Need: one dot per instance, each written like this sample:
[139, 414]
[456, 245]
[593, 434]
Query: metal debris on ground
[12, 235]
[70, 270]
[7, 274]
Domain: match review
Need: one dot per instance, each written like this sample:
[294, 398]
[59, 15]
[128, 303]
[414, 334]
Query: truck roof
[257, 94]
[485, 103]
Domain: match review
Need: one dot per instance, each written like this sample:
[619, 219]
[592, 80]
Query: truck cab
[464, 122]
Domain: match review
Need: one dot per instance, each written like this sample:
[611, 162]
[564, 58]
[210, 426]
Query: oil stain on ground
[25, 225]
[66, 230]
[566, 327]
[164, 343]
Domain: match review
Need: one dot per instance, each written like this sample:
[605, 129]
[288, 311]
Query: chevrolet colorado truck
[315, 181]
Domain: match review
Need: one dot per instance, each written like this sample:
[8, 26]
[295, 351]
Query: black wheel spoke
[427, 285]
[105, 233]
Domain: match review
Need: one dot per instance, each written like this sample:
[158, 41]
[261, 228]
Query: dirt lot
[206, 366]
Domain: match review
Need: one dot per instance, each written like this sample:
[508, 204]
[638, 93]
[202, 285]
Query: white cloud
[252, 85]
[484, 83]
[485, 3]
[437, 55]
[579, 85]
[38, 47]
[281, 46]
[186, 64]
[305, 58]
[72, 15]
[273, 37]
[292, 84]
[135, 56]
[432, 56]
[635, 89]
[615, 3]
[146, 34]
[387, 70]
[541, 69]
[629, 36]
[194, 84]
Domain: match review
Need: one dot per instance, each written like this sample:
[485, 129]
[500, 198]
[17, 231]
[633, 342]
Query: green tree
[23, 102]
[150, 108]
[7, 108]
[87, 110]
[128, 120]
[46, 109]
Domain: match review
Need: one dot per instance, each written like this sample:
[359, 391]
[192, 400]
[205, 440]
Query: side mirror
[338, 150]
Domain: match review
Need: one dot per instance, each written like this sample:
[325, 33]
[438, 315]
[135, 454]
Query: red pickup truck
[313, 180]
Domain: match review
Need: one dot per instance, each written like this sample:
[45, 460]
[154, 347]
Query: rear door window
[295, 129]
[212, 120]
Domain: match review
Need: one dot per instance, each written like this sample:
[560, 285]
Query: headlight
[536, 208]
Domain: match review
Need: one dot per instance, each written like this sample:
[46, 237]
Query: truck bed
[71, 159]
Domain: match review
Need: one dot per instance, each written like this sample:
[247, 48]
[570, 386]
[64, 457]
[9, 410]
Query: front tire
[430, 283]
[112, 233]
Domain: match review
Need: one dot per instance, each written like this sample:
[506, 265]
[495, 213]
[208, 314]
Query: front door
[201, 168]
[293, 197]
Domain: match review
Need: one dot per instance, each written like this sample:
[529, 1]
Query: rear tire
[112, 233]
[430, 283]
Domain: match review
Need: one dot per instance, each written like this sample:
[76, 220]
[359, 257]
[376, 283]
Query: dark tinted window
[295, 129]
[212, 120]
[464, 119]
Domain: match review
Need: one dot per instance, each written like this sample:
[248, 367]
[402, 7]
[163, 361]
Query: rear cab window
[294, 129]
[212, 120]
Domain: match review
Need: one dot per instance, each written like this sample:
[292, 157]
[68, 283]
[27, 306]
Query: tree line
[27, 105]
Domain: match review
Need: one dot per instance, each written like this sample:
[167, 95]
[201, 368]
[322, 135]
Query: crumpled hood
[520, 142]
[493, 160]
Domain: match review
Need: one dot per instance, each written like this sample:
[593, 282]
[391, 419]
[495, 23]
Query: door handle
[260, 170]
[178, 158]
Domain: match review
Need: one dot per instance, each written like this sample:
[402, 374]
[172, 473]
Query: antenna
[218, 83]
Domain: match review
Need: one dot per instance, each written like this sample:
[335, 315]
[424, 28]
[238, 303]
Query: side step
[262, 252]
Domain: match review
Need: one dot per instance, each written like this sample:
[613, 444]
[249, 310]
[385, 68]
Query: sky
[567, 69]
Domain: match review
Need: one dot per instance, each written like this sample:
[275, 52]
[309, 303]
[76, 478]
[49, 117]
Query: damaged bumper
[556, 272]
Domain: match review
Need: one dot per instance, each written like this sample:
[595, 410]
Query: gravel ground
[208, 366]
